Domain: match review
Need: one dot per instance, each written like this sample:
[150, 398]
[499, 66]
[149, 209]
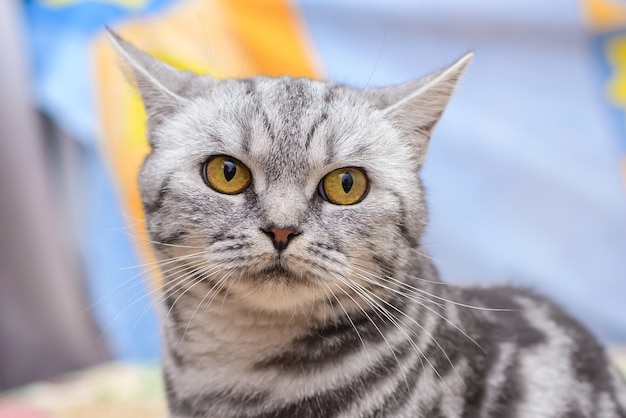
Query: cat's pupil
[229, 170]
[346, 182]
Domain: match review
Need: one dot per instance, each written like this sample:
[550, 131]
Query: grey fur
[350, 320]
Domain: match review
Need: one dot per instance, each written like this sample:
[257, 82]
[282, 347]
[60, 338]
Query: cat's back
[542, 362]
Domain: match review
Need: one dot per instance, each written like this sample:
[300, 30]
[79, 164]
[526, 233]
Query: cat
[287, 215]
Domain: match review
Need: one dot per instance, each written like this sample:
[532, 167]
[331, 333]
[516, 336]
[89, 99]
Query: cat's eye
[226, 174]
[345, 186]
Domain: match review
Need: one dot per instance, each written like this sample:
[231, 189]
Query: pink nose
[280, 237]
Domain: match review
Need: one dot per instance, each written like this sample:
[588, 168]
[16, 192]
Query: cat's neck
[223, 336]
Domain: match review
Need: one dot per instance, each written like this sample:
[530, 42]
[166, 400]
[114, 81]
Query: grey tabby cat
[287, 216]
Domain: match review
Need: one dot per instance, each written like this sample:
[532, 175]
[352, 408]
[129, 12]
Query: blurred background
[526, 174]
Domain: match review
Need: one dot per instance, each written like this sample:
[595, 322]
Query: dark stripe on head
[326, 246]
[249, 86]
[401, 225]
[172, 239]
[316, 124]
[151, 207]
[329, 95]
[296, 91]
[246, 135]
[267, 125]
[331, 151]
[250, 89]
[251, 202]
[386, 267]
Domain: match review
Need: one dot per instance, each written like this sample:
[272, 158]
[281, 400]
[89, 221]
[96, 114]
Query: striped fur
[351, 319]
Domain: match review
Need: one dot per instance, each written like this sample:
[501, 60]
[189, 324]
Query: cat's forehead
[286, 126]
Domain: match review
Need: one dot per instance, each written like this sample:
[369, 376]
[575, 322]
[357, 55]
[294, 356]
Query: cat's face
[285, 191]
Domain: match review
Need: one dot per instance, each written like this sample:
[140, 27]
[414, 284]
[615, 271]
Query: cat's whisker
[362, 292]
[205, 275]
[171, 270]
[350, 286]
[326, 298]
[148, 294]
[377, 283]
[380, 53]
[412, 296]
[162, 262]
[439, 283]
[165, 244]
[153, 266]
[428, 256]
[392, 306]
[220, 287]
[207, 45]
[227, 293]
[367, 353]
[127, 285]
[174, 284]
[395, 320]
[196, 281]
[311, 310]
[427, 294]
[463, 305]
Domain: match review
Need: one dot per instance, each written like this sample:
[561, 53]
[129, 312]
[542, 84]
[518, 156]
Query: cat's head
[284, 190]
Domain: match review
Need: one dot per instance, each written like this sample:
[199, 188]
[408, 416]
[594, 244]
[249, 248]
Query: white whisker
[349, 285]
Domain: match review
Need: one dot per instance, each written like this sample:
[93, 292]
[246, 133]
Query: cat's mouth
[277, 269]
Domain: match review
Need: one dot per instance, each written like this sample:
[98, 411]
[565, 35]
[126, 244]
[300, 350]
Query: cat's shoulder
[541, 335]
[524, 315]
[539, 349]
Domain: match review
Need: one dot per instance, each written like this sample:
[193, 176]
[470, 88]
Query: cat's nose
[281, 237]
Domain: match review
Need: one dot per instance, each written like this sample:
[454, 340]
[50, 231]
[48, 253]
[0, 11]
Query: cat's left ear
[163, 88]
[416, 107]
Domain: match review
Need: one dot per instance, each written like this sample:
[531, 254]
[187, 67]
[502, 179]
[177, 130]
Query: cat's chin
[284, 270]
[277, 296]
[277, 272]
[278, 289]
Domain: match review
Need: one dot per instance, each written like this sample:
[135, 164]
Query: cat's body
[295, 282]
[532, 362]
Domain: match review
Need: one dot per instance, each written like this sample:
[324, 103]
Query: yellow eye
[345, 186]
[226, 174]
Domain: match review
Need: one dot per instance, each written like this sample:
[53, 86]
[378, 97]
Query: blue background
[522, 174]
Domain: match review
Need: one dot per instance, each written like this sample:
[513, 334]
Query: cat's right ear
[161, 86]
[416, 107]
